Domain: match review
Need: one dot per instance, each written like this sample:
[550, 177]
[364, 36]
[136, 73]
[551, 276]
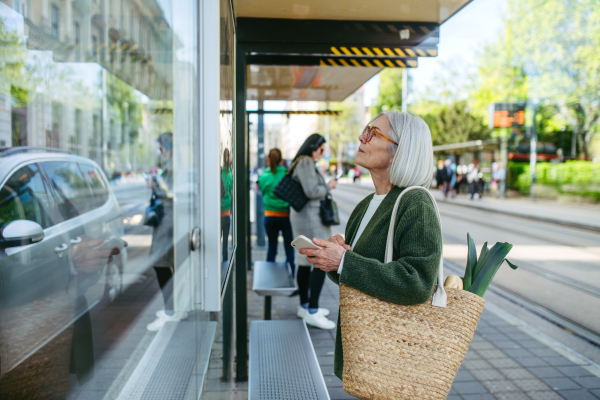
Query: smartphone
[338, 176]
[112, 243]
[302, 242]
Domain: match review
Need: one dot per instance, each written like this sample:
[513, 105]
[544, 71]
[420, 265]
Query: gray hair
[412, 163]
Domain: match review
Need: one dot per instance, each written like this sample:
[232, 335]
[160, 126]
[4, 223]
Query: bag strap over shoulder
[291, 170]
[440, 297]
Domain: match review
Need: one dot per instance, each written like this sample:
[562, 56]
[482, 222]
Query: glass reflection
[225, 137]
[94, 83]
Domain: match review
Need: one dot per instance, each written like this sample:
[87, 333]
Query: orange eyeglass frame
[371, 131]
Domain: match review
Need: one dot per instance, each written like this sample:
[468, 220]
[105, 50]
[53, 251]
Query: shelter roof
[325, 50]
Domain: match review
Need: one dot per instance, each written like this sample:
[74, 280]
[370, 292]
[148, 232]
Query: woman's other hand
[339, 239]
[327, 259]
[332, 183]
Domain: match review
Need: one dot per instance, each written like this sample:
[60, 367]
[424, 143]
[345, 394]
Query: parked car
[53, 207]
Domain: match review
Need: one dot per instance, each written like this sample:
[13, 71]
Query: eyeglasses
[371, 131]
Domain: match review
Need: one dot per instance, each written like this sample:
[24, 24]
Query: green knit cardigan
[411, 277]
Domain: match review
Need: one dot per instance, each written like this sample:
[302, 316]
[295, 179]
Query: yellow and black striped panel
[335, 61]
[385, 51]
[323, 112]
[369, 62]
[162, 111]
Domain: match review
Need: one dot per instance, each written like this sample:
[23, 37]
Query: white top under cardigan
[373, 205]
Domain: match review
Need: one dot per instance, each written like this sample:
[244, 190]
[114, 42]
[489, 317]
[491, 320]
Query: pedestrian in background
[473, 179]
[501, 179]
[161, 249]
[357, 174]
[277, 211]
[226, 187]
[446, 178]
[308, 222]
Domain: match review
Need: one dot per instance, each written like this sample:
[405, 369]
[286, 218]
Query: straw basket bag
[393, 351]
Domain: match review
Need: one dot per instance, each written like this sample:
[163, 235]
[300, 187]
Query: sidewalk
[503, 361]
[582, 216]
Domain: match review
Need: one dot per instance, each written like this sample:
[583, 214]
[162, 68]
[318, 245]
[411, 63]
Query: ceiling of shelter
[325, 50]
[364, 10]
[323, 83]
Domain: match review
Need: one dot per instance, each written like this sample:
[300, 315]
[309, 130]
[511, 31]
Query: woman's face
[318, 153]
[375, 154]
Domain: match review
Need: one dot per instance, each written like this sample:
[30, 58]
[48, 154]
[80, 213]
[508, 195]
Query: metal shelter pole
[533, 152]
[242, 212]
[260, 166]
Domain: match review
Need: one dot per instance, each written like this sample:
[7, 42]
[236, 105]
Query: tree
[452, 123]
[549, 52]
[390, 91]
[346, 127]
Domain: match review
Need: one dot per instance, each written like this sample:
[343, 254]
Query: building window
[77, 31]
[55, 21]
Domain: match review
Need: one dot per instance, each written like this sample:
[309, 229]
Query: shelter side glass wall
[114, 86]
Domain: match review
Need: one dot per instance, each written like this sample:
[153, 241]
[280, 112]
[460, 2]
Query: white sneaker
[319, 321]
[163, 318]
[157, 324]
[303, 311]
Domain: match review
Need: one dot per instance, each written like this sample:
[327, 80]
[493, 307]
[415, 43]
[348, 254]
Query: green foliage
[453, 123]
[390, 91]
[125, 103]
[580, 178]
[347, 126]
[12, 55]
[480, 272]
[549, 51]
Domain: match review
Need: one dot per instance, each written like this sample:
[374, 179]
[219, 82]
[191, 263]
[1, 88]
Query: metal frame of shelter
[301, 42]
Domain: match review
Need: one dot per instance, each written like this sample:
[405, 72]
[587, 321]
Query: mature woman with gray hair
[396, 148]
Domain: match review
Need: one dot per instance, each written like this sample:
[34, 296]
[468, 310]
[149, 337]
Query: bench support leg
[267, 307]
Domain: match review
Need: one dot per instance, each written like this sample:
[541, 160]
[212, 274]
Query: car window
[73, 193]
[24, 196]
[99, 188]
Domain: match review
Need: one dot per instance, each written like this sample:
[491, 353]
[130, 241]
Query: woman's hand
[339, 239]
[332, 183]
[327, 259]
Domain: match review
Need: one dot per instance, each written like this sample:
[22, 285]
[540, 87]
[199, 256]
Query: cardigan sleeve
[307, 176]
[410, 278]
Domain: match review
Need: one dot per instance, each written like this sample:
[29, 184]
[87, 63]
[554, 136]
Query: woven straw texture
[404, 352]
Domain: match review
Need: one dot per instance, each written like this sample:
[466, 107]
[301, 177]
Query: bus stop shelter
[314, 51]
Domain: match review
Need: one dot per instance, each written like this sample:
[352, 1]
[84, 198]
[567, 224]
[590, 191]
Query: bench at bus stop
[283, 362]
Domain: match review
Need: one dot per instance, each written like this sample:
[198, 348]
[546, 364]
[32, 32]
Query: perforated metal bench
[272, 279]
[174, 365]
[283, 363]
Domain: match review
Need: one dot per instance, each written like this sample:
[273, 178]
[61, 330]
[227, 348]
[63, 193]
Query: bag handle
[439, 297]
[289, 171]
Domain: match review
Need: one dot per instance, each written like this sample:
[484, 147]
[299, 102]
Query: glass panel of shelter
[114, 85]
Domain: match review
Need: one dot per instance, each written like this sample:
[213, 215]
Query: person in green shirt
[226, 186]
[397, 150]
[277, 211]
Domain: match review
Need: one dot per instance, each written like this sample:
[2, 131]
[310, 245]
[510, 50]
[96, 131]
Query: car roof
[10, 162]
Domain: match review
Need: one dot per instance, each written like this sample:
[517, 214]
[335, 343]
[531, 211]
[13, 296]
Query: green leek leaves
[480, 272]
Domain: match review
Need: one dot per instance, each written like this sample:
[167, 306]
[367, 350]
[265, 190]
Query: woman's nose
[361, 138]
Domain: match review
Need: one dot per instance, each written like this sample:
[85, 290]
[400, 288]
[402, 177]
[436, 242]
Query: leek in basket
[480, 272]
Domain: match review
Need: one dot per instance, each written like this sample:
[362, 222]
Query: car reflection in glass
[61, 254]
